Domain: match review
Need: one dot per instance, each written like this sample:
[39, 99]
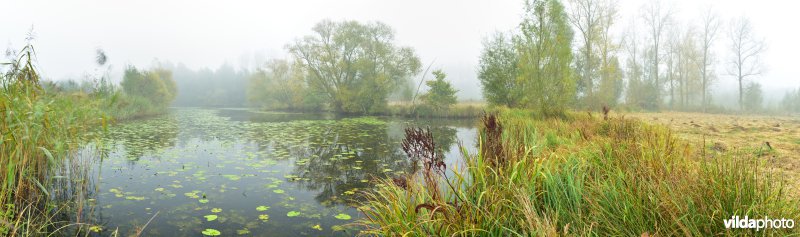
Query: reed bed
[39, 133]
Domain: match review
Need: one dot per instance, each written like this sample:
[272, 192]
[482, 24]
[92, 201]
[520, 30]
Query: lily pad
[232, 177]
[293, 213]
[262, 208]
[317, 227]
[211, 232]
[343, 216]
[243, 231]
[210, 217]
[278, 191]
[96, 228]
[216, 210]
[263, 217]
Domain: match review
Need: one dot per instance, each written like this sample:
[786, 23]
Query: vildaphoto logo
[761, 223]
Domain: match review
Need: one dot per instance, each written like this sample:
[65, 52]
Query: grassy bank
[38, 129]
[576, 176]
[458, 110]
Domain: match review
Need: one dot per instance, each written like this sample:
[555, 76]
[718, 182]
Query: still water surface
[242, 172]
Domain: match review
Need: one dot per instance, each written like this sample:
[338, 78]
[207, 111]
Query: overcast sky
[204, 33]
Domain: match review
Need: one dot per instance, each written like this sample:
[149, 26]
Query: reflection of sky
[199, 151]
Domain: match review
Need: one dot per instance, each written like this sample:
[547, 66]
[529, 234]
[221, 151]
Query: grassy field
[743, 134]
[577, 176]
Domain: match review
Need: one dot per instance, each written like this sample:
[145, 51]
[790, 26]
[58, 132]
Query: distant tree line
[663, 64]
[222, 87]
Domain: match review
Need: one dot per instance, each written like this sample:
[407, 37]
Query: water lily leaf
[203, 200]
[243, 231]
[262, 208]
[210, 217]
[232, 177]
[216, 210]
[278, 191]
[293, 213]
[342, 216]
[263, 217]
[317, 227]
[211, 232]
[96, 228]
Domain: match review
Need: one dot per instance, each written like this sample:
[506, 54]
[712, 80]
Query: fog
[448, 34]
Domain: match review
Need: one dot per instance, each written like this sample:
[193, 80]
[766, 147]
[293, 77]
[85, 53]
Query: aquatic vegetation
[262, 208]
[317, 227]
[292, 213]
[210, 217]
[96, 228]
[211, 232]
[342, 216]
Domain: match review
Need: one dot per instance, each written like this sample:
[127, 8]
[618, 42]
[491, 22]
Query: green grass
[580, 176]
[460, 110]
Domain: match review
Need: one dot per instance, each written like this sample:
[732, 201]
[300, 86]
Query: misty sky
[203, 33]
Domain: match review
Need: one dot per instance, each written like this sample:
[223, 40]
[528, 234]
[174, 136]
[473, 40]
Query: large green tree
[545, 57]
[355, 65]
[533, 68]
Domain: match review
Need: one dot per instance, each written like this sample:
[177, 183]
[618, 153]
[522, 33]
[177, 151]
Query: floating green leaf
[232, 177]
[293, 213]
[342, 216]
[216, 210]
[263, 217]
[278, 191]
[243, 231]
[210, 217]
[262, 208]
[317, 227]
[96, 228]
[211, 232]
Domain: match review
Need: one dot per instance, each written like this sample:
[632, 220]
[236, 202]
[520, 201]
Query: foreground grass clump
[575, 176]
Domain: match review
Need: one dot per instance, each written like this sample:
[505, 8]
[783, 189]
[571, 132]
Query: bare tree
[745, 51]
[593, 20]
[710, 25]
[658, 17]
[632, 72]
[585, 16]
